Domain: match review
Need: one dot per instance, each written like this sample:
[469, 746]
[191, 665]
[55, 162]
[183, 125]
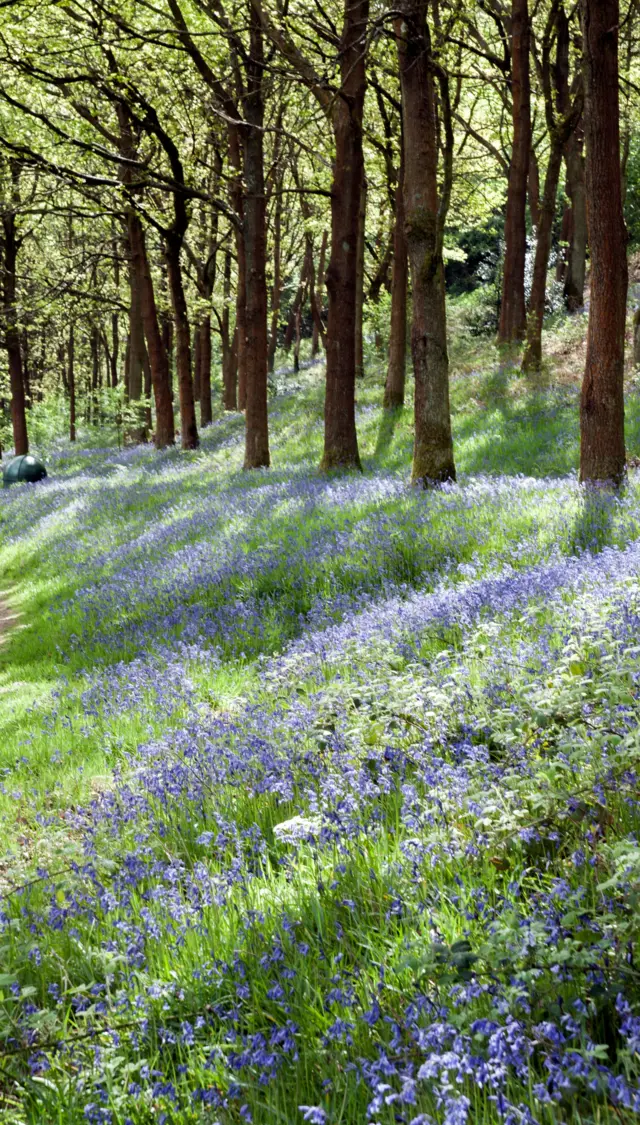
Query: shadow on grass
[388, 423]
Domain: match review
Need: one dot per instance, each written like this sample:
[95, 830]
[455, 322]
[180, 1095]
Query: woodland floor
[320, 795]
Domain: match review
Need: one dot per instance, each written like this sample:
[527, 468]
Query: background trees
[185, 186]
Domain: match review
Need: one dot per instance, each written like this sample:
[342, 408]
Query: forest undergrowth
[322, 794]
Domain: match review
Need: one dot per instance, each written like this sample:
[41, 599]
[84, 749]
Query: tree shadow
[594, 522]
[388, 425]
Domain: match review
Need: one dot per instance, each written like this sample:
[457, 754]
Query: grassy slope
[139, 556]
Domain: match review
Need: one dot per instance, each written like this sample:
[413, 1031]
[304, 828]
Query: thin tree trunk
[533, 187]
[532, 357]
[565, 238]
[577, 256]
[12, 335]
[602, 452]
[394, 386]
[197, 362]
[94, 343]
[276, 291]
[71, 379]
[318, 328]
[255, 246]
[513, 316]
[165, 430]
[188, 426]
[561, 124]
[206, 414]
[229, 360]
[359, 339]
[135, 360]
[425, 213]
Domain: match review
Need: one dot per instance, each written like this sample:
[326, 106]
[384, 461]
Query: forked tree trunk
[11, 331]
[344, 109]
[255, 247]
[425, 213]
[188, 426]
[158, 361]
[560, 126]
[394, 386]
[513, 315]
[602, 452]
[577, 255]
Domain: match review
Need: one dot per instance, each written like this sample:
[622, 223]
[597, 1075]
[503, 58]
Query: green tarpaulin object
[24, 468]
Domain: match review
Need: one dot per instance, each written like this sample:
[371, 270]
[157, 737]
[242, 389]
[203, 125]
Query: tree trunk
[188, 426]
[255, 247]
[513, 316]
[340, 437]
[425, 214]
[71, 378]
[94, 343]
[206, 415]
[636, 338]
[359, 340]
[197, 362]
[135, 361]
[12, 334]
[562, 260]
[318, 330]
[229, 353]
[561, 125]
[602, 452]
[394, 386]
[532, 357]
[577, 256]
[158, 361]
[276, 291]
[533, 187]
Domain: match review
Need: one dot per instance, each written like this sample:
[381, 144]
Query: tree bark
[602, 451]
[11, 331]
[513, 316]
[158, 361]
[255, 246]
[359, 340]
[394, 386]
[188, 426]
[340, 437]
[425, 214]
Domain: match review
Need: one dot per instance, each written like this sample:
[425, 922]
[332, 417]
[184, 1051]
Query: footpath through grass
[321, 795]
